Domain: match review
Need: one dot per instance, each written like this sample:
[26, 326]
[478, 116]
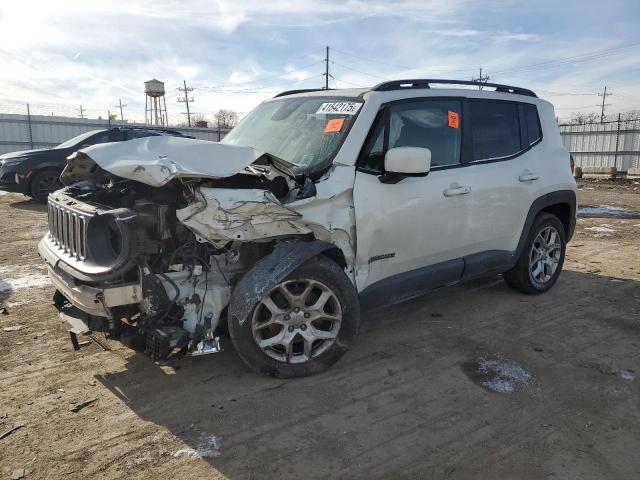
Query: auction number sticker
[343, 108]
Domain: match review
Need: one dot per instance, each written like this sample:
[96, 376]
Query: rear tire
[43, 183]
[303, 326]
[541, 260]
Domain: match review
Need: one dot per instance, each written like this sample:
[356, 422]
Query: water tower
[155, 105]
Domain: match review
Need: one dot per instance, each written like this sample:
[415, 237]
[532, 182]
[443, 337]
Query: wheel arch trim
[560, 197]
[268, 272]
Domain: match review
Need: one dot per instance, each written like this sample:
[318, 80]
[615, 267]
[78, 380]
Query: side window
[495, 129]
[432, 124]
[532, 122]
[99, 138]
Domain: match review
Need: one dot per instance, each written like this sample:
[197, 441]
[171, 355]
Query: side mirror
[403, 162]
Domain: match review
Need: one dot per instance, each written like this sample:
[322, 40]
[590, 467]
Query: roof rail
[303, 90]
[426, 83]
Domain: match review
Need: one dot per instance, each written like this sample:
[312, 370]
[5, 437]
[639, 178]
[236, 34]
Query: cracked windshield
[303, 131]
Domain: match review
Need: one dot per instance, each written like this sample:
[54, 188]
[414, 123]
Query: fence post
[218, 132]
[29, 126]
[615, 155]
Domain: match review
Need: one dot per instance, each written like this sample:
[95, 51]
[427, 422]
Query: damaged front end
[147, 245]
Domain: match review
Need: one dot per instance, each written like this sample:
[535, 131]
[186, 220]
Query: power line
[582, 57]
[121, 107]
[186, 99]
[481, 79]
[604, 97]
[326, 70]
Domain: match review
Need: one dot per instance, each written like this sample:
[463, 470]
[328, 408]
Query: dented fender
[268, 272]
[244, 215]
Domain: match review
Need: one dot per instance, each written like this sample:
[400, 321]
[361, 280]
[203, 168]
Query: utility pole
[121, 107]
[81, 111]
[326, 73]
[604, 97]
[186, 99]
[480, 79]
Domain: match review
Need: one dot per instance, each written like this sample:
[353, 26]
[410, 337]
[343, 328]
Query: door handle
[451, 192]
[528, 177]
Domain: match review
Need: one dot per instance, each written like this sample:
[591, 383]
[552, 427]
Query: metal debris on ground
[11, 430]
[76, 407]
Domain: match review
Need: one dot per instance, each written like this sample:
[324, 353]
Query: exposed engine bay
[151, 255]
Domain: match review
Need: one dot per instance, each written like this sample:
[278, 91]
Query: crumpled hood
[156, 161]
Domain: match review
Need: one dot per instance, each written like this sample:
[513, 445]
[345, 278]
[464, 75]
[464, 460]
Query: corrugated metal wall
[611, 144]
[18, 133]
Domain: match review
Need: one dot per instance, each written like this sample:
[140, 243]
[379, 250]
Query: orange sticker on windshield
[454, 121]
[334, 125]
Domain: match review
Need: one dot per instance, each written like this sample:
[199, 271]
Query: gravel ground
[475, 381]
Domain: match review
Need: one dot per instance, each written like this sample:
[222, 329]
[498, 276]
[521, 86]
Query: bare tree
[226, 118]
[578, 118]
[199, 120]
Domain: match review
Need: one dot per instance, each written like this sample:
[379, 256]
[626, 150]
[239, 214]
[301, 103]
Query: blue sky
[57, 55]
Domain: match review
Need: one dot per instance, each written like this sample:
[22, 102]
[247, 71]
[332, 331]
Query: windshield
[72, 142]
[304, 131]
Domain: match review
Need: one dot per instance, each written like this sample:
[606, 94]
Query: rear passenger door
[502, 171]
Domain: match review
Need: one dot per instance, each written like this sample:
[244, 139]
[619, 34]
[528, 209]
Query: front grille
[68, 231]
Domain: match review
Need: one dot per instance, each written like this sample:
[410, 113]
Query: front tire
[541, 260]
[44, 183]
[303, 326]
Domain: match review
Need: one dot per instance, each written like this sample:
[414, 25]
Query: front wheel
[302, 326]
[540, 263]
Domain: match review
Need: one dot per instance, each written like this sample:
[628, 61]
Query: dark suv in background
[36, 173]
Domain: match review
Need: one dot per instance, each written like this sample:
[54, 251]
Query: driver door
[411, 235]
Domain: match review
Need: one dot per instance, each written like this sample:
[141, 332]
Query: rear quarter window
[532, 122]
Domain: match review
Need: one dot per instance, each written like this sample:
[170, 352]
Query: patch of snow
[605, 211]
[628, 375]
[2, 192]
[22, 276]
[28, 280]
[208, 447]
[503, 376]
[604, 229]
[17, 304]
[13, 328]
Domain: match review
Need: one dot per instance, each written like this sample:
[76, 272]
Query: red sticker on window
[454, 121]
[334, 125]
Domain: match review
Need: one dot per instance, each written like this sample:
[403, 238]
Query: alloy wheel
[297, 321]
[544, 255]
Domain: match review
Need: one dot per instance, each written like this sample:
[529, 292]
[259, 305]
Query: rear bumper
[92, 300]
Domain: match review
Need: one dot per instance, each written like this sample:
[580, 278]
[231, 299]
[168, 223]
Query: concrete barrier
[633, 172]
[599, 172]
[577, 172]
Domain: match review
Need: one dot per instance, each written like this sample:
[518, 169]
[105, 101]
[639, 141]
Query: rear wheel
[302, 326]
[45, 182]
[540, 263]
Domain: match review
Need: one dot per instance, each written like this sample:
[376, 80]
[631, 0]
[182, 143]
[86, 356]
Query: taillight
[572, 163]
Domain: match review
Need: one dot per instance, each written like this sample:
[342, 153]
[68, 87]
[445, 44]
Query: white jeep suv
[318, 203]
